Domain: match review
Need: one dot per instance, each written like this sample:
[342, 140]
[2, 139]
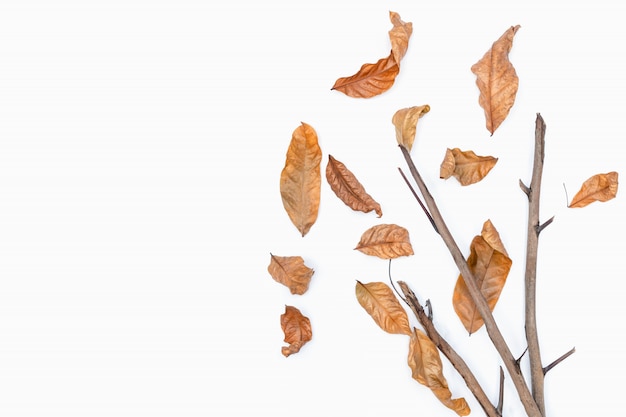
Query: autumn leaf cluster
[488, 261]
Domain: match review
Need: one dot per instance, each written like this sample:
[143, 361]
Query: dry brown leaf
[427, 369]
[297, 329]
[497, 80]
[405, 121]
[490, 265]
[399, 36]
[348, 188]
[374, 79]
[466, 166]
[291, 272]
[382, 305]
[386, 241]
[371, 80]
[300, 179]
[600, 187]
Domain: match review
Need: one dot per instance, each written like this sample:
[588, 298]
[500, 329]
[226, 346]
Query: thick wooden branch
[457, 362]
[479, 300]
[534, 229]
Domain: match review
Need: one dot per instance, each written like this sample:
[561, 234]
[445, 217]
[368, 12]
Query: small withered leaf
[386, 241]
[297, 330]
[382, 305]
[291, 272]
[348, 189]
[600, 187]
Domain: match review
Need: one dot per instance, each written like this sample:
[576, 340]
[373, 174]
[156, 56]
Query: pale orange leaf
[386, 241]
[497, 80]
[399, 36]
[467, 167]
[600, 187]
[300, 179]
[291, 272]
[381, 304]
[427, 369]
[490, 266]
[405, 122]
[297, 330]
[347, 187]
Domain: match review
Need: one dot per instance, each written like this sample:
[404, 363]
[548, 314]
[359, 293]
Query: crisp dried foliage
[399, 36]
[291, 272]
[600, 187]
[405, 122]
[427, 369]
[490, 264]
[497, 80]
[386, 241]
[374, 79]
[466, 166]
[300, 179]
[348, 188]
[382, 305]
[297, 329]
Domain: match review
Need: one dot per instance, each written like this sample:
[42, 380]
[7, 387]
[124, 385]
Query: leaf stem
[479, 300]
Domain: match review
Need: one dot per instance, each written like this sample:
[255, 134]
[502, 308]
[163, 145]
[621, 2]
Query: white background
[141, 144]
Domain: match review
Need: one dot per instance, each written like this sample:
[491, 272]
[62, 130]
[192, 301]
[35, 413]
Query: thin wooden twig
[457, 362]
[559, 360]
[479, 300]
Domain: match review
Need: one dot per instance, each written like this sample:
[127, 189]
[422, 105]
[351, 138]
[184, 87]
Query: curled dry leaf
[399, 36]
[386, 241]
[300, 179]
[405, 121]
[427, 369]
[297, 329]
[291, 272]
[349, 190]
[466, 166]
[383, 306]
[497, 80]
[600, 187]
[374, 79]
[490, 264]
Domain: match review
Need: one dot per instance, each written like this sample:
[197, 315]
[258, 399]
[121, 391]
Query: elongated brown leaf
[466, 166]
[348, 188]
[300, 179]
[291, 272]
[405, 121]
[426, 368]
[386, 241]
[371, 80]
[497, 80]
[383, 306]
[374, 79]
[297, 329]
[399, 36]
[490, 265]
[600, 187]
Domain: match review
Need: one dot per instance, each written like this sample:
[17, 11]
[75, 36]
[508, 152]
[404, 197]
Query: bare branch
[532, 337]
[454, 358]
[430, 218]
[501, 396]
[479, 300]
[559, 360]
